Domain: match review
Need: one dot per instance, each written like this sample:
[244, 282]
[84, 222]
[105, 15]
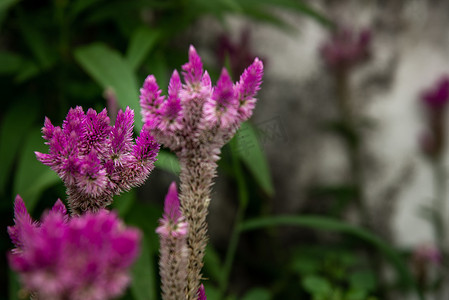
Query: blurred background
[335, 189]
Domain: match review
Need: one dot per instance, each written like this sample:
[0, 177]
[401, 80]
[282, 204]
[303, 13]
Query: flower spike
[96, 160]
[195, 121]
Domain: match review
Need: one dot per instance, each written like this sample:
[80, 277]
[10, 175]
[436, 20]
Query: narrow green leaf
[317, 286]
[142, 42]
[79, 6]
[257, 294]
[329, 224]
[15, 124]
[167, 161]
[251, 153]
[143, 274]
[6, 4]
[29, 70]
[32, 177]
[291, 5]
[39, 46]
[110, 70]
[10, 62]
[212, 264]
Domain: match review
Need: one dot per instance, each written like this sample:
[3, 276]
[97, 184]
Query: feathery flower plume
[173, 248]
[96, 160]
[195, 121]
[84, 257]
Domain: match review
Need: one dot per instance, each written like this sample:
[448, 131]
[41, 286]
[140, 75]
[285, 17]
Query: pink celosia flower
[195, 121]
[84, 257]
[96, 160]
[202, 293]
[346, 48]
[174, 253]
[197, 112]
[172, 224]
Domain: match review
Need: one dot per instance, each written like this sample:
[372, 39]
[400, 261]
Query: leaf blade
[110, 70]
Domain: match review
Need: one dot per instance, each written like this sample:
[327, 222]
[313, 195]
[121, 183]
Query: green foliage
[32, 177]
[250, 152]
[330, 224]
[111, 70]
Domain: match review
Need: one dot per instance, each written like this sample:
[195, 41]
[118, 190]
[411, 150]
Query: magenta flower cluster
[196, 112]
[96, 160]
[61, 258]
[346, 48]
[172, 224]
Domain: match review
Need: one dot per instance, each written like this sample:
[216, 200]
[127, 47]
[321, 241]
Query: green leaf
[363, 280]
[79, 6]
[212, 264]
[212, 293]
[317, 285]
[13, 129]
[168, 161]
[250, 152]
[329, 224]
[110, 70]
[257, 294]
[39, 46]
[28, 71]
[10, 62]
[143, 285]
[6, 4]
[124, 202]
[290, 5]
[142, 42]
[32, 177]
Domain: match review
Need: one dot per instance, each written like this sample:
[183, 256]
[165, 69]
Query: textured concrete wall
[410, 51]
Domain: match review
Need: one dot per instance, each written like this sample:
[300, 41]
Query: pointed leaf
[13, 129]
[167, 161]
[257, 294]
[142, 42]
[110, 70]
[32, 177]
[250, 152]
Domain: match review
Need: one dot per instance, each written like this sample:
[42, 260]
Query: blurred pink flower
[346, 48]
[435, 101]
[84, 257]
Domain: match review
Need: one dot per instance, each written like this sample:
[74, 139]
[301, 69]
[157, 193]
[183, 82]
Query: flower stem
[197, 172]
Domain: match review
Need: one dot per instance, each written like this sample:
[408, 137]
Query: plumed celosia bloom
[435, 100]
[174, 253]
[195, 120]
[80, 258]
[202, 293]
[196, 112]
[346, 48]
[96, 160]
